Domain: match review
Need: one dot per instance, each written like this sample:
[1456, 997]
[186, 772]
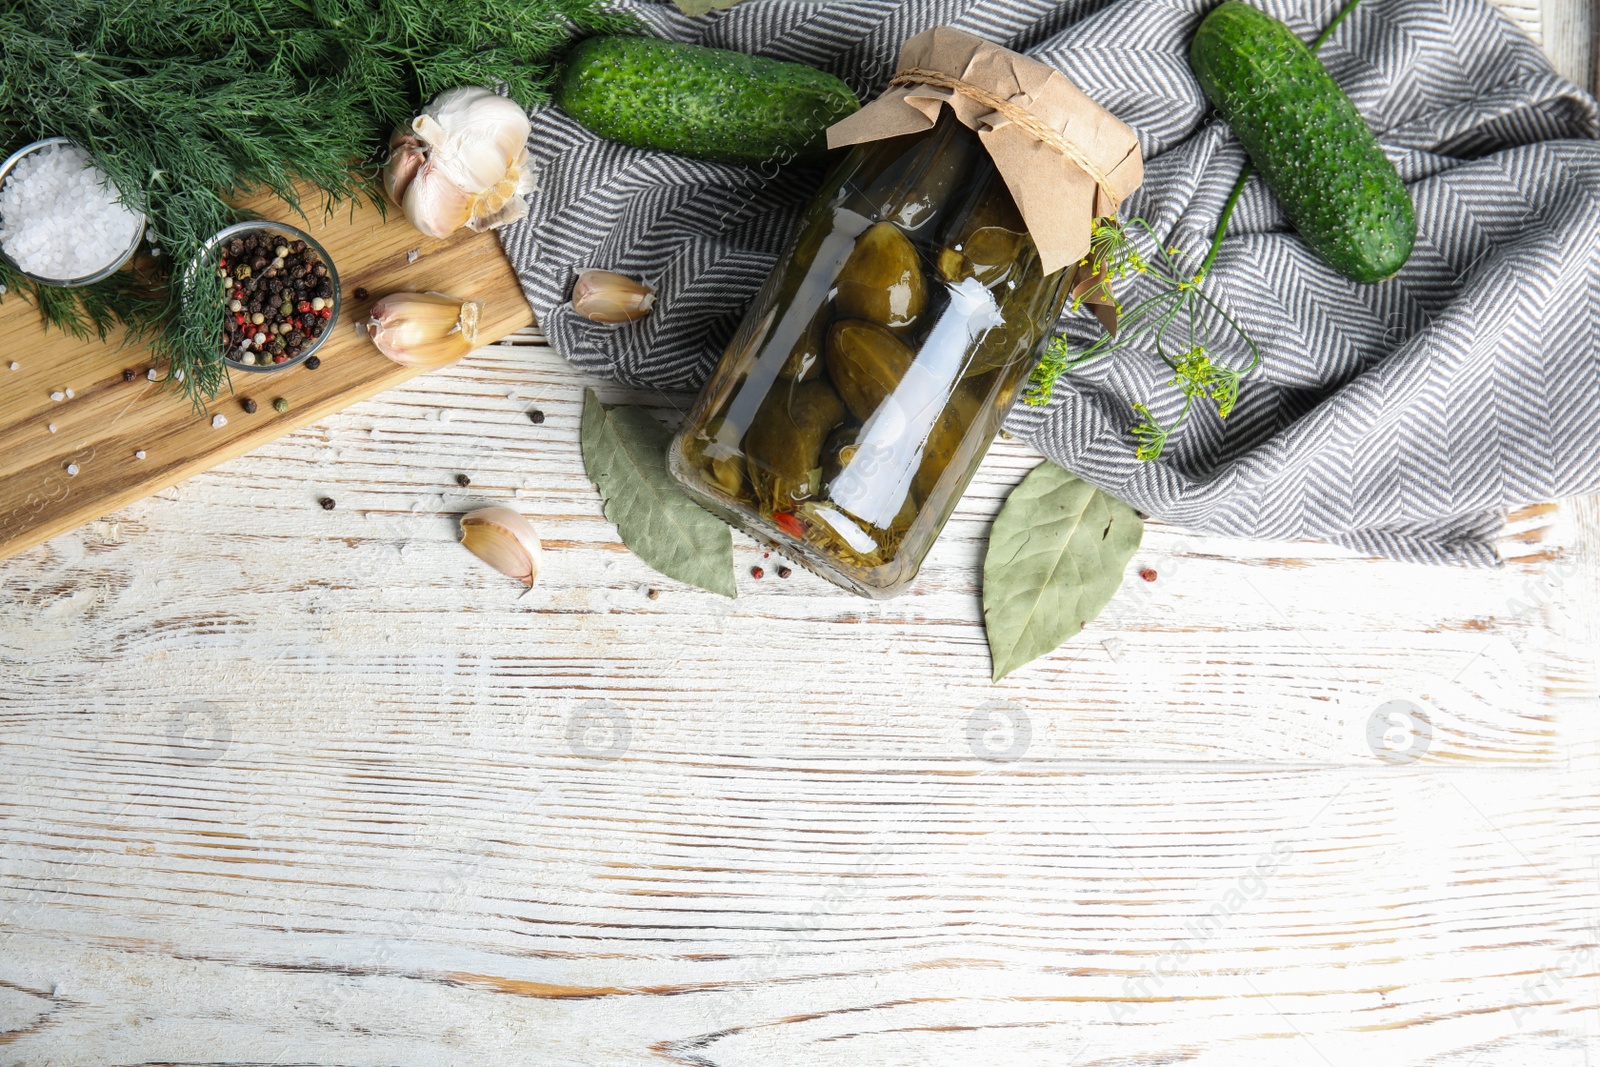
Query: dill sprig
[188, 105]
[1178, 320]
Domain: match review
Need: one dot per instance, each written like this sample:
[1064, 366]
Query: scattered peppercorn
[360, 294]
[784, 572]
[248, 405]
[536, 417]
[129, 375]
[463, 481]
[757, 572]
[313, 362]
[327, 503]
[1148, 575]
[654, 594]
[280, 405]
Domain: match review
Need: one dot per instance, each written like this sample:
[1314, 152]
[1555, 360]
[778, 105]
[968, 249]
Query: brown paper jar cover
[1058, 198]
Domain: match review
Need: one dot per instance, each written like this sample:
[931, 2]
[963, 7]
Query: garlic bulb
[463, 162]
[424, 329]
[605, 296]
[505, 541]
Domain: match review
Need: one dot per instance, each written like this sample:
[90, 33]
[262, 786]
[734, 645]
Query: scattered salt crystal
[58, 395]
[70, 394]
[52, 427]
[218, 421]
[139, 454]
[15, 365]
[177, 375]
[151, 374]
[60, 216]
[411, 256]
[72, 468]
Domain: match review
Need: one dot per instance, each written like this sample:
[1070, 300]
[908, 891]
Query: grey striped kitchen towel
[1400, 419]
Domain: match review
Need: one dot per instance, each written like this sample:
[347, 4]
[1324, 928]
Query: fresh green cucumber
[704, 102]
[1313, 149]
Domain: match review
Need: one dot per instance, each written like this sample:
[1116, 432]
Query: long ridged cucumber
[704, 102]
[1313, 149]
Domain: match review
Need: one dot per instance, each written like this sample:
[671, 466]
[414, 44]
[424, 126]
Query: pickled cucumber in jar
[783, 447]
[910, 181]
[988, 239]
[882, 281]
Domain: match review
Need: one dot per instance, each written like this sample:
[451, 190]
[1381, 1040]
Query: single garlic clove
[424, 329]
[434, 204]
[505, 541]
[605, 296]
[406, 156]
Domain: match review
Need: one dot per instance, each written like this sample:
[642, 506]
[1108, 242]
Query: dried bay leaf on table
[1057, 552]
[693, 8]
[625, 456]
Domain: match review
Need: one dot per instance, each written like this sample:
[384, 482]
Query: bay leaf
[625, 456]
[1057, 552]
[693, 8]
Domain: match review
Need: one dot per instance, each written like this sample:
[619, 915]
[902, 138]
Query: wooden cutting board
[107, 420]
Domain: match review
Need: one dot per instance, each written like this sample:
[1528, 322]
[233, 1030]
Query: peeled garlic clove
[505, 541]
[424, 329]
[434, 204]
[406, 156]
[605, 296]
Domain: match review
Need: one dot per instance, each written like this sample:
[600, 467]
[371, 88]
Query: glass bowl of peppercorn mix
[280, 295]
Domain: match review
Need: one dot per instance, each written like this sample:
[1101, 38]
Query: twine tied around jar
[1019, 115]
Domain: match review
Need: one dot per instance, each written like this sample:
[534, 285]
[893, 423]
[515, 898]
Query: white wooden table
[290, 786]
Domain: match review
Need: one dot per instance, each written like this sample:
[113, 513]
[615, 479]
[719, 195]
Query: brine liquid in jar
[864, 385]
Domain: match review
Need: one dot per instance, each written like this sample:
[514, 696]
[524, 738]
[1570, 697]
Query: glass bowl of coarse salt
[62, 222]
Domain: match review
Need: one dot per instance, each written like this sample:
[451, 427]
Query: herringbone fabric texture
[1400, 418]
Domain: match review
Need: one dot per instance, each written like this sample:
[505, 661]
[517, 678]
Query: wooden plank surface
[1569, 37]
[107, 420]
[304, 787]
[281, 785]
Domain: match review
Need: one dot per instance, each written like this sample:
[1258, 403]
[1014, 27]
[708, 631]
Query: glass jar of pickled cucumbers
[862, 390]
